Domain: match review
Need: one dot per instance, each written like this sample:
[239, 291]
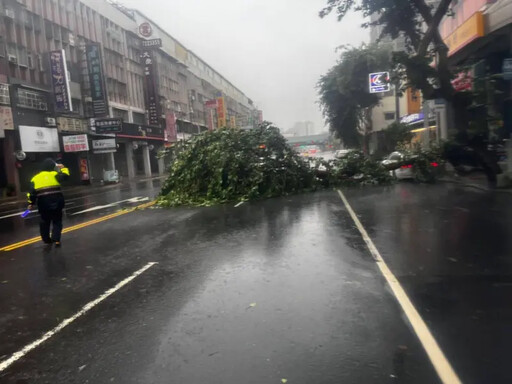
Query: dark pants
[49, 217]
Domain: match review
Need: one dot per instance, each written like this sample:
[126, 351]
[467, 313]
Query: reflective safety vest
[46, 183]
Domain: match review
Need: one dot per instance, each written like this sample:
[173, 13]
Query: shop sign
[507, 69]
[138, 130]
[470, 30]
[6, 120]
[413, 101]
[104, 146]
[153, 43]
[84, 170]
[151, 99]
[412, 118]
[145, 29]
[221, 113]
[71, 124]
[39, 139]
[60, 81]
[463, 82]
[96, 80]
[211, 103]
[108, 125]
[170, 134]
[211, 120]
[75, 143]
[379, 82]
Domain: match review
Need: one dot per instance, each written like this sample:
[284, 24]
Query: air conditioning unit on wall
[13, 59]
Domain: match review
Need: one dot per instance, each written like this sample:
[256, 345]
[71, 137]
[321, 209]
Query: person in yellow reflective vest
[45, 191]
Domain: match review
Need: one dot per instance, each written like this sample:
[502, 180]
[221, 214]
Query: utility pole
[397, 103]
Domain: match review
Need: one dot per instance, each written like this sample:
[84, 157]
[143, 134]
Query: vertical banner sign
[211, 106]
[170, 133]
[60, 81]
[84, 170]
[152, 102]
[211, 119]
[96, 80]
[221, 113]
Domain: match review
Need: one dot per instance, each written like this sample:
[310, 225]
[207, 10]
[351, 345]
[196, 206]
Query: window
[139, 118]
[389, 115]
[120, 113]
[4, 94]
[32, 100]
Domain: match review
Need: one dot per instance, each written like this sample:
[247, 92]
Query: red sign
[170, 133]
[211, 120]
[463, 82]
[145, 29]
[84, 170]
[211, 104]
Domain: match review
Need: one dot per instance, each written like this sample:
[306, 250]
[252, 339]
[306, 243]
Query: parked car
[405, 170]
[341, 153]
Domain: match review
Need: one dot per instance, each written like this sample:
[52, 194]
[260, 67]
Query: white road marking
[239, 204]
[86, 308]
[15, 214]
[98, 207]
[434, 352]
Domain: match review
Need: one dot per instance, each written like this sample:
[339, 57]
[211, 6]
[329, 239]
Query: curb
[476, 186]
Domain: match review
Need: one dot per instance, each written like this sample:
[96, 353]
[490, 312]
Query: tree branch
[433, 24]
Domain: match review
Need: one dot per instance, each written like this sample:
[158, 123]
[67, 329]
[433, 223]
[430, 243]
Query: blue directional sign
[379, 82]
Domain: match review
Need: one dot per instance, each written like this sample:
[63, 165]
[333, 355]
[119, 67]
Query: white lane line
[86, 308]
[98, 207]
[239, 204]
[434, 352]
[15, 214]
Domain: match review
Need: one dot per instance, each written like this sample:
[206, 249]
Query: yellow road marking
[434, 352]
[33, 240]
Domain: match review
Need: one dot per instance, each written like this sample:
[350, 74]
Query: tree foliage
[408, 18]
[394, 135]
[235, 165]
[344, 97]
[424, 64]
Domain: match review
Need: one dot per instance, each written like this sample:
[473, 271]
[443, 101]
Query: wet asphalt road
[272, 290]
[81, 205]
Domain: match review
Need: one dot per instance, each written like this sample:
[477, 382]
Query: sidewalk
[477, 180]
[84, 189]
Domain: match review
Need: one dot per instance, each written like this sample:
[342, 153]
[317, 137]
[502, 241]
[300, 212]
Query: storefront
[75, 147]
[7, 171]
[37, 143]
[138, 147]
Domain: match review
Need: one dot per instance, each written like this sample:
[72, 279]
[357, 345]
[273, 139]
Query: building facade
[80, 81]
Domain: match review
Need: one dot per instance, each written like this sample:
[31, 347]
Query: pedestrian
[45, 191]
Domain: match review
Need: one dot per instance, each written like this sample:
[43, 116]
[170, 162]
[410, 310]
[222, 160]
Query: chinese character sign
[150, 78]
[75, 143]
[60, 81]
[221, 113]
[96, 80]
[171, 133]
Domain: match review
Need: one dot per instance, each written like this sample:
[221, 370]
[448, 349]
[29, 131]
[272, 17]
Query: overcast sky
[273, 50]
